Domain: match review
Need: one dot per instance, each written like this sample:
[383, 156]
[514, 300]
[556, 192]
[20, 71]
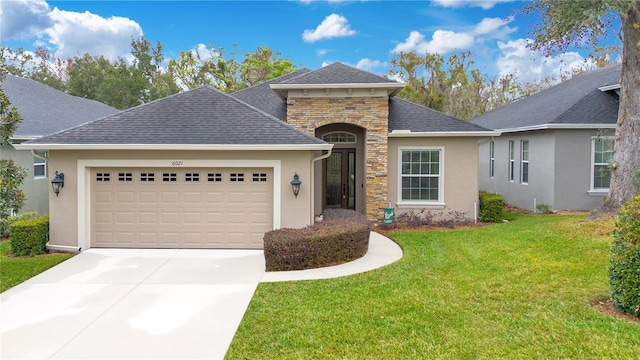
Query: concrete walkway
[147, 304]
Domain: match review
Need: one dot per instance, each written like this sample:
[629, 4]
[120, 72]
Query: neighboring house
[203, 169]
[44, 111]
[555, 146]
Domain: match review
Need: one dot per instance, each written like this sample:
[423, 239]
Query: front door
[340, 179]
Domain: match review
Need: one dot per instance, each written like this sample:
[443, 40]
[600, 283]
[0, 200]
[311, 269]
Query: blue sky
[365, 34]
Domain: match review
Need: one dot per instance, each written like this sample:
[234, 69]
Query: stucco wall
[35, 189]
[64, 226]
[559, 170]
[460, 173]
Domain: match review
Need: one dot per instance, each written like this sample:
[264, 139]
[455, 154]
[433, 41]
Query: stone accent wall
[370, 113]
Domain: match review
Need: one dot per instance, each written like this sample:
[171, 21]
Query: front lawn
[14, 270]
[519, 290]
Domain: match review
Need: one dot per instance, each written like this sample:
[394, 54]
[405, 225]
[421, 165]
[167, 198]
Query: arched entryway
[342, 183]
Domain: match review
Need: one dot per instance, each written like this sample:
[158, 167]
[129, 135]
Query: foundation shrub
[624, 266]
[341, 237]
[491, 207]
[30, 236]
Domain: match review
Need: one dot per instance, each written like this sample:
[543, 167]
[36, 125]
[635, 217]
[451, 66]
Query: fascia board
[403, 134]
[281, 147]
[558, 127]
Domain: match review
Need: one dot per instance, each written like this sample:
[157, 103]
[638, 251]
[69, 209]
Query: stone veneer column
[371, 113]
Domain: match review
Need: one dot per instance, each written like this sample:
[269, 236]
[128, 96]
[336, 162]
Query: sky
[364, 34]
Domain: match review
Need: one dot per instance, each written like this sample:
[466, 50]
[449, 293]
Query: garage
[180, 207]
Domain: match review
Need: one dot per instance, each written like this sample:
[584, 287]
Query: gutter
[313, 182]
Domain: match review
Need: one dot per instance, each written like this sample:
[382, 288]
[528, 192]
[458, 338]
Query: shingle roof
[45, 110]
[265, 99]
[337, 73]
[575, 101]
[405, 115]
[204, 116]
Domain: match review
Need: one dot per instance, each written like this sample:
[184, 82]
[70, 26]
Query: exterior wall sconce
[57, 183]
[295, 184]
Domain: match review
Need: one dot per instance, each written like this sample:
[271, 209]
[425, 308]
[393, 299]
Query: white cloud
[484, 4]
[332, 26]
[495, 28]
[530, 66]
[23, 18]
[322, 52]
[75, 34]
[442, 41]
[368, 64]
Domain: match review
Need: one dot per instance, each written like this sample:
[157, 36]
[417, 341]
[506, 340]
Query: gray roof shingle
[337, 73]
[204, 116]
[405, 115]
[575, 101]
[45, 110]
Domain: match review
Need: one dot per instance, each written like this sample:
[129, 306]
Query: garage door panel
[181, 208]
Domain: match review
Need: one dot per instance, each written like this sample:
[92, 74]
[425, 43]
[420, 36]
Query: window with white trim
[40, 166]
[421, 175]
[601, 158]
[492, 158]
[524, 161]
[512, 160]
[339, 137]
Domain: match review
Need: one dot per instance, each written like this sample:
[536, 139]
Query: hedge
[491, 207]
[29, 237]
[341, 237]
[624, 266]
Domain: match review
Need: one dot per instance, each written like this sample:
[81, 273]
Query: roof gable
[575, 101]
[46, 110]
[204, 116]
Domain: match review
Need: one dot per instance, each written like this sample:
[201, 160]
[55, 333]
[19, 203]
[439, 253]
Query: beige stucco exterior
[70, 211]
[460, 174]
[34, 188]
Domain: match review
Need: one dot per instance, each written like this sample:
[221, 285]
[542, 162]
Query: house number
[177, 163]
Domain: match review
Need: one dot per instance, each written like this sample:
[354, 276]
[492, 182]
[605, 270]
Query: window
[339, 137]
[103, 177]
[236, 177]
[421, 175]
[169, 177]
[524, 161]
[147, 177]
[192, 177]
[492, 158]
[214, 177]
[259, 177]
[601, 157]
[40, 166]
[512, 160]
[125, 176]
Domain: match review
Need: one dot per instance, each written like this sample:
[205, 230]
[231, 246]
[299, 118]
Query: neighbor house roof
[45, 110]
[575, 103]
[406, 118]
[204, 118]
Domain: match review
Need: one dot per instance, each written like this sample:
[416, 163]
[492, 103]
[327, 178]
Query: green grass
[519, 290]
[14, 270]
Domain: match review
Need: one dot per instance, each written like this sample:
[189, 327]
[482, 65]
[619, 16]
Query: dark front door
[340, 179]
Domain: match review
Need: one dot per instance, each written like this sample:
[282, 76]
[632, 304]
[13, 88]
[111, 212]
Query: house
[204, 169]
[555, 146]
[44, 111]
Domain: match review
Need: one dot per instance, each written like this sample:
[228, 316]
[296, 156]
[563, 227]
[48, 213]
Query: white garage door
[181, 208]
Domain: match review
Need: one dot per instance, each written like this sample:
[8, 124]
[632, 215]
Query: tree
[567, 23]
[263, 65]
[11, 176]
[147, 61]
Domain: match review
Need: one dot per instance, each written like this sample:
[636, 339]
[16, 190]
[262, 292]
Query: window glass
[602, 157]
[420, 175]
[524, 168]
[40, 166]
[339, 137]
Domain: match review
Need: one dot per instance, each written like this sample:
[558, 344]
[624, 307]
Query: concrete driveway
[147, 304]
[125, 304]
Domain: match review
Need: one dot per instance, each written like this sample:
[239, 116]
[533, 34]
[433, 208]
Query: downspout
[313, 182]
[36, 155]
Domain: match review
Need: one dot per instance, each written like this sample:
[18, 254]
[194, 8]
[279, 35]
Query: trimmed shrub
[343, 236]
[29, 237]
[491, 207]
[6, 222]
[624, 266]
